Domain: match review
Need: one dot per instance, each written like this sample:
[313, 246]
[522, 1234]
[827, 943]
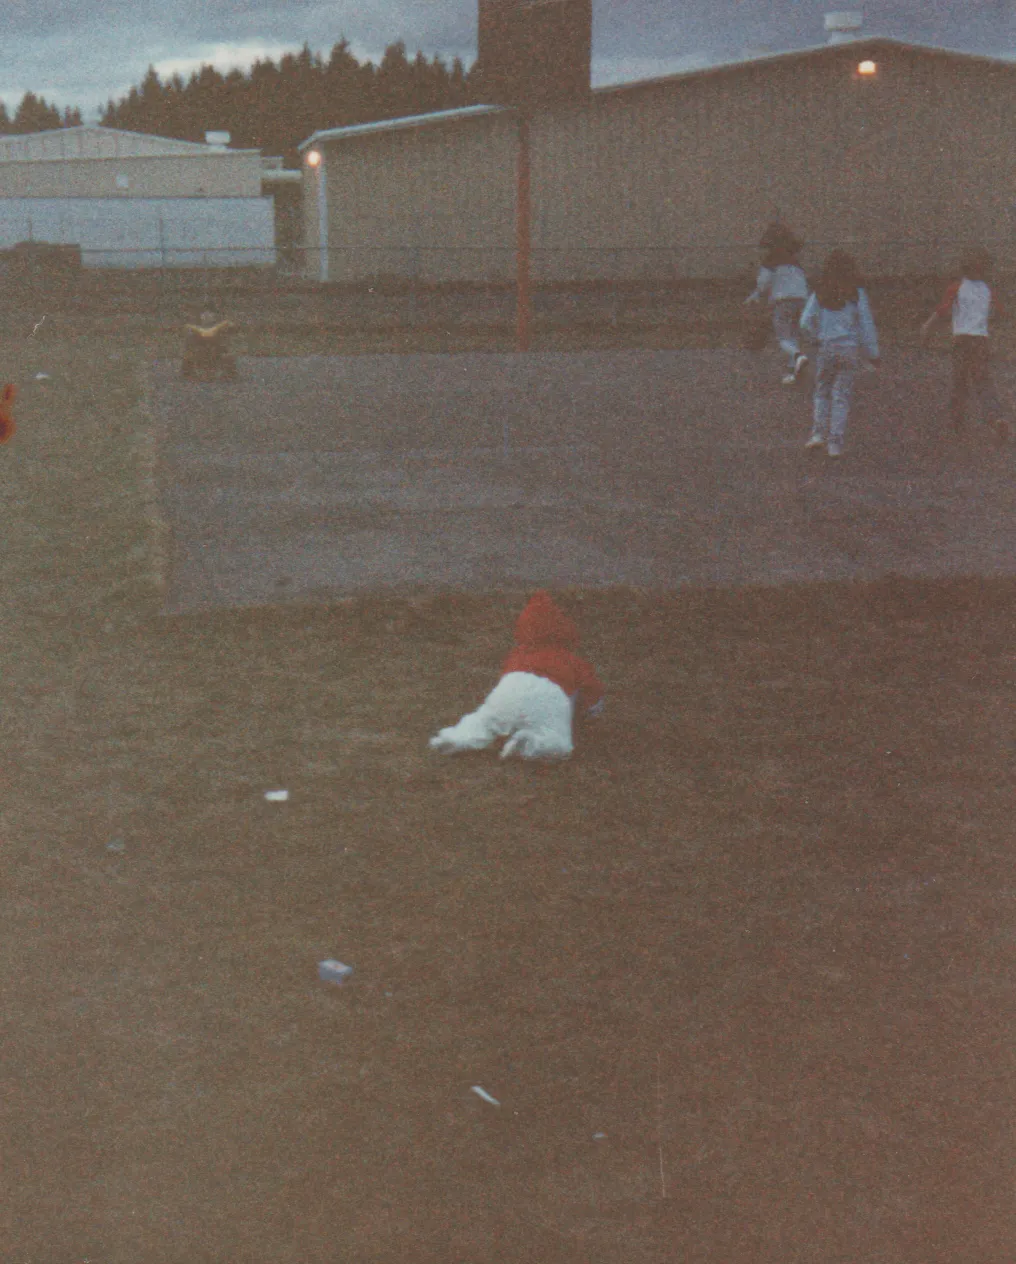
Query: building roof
[866, 43]
[93, 141]
[397, 124]
[860, 43]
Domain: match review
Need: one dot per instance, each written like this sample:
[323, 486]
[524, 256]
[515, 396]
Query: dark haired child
[838, 316]
[782, 283]
[971, 303]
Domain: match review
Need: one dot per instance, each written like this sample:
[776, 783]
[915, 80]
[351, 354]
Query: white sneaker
[816, 441]
[789, 379]
[835, 448]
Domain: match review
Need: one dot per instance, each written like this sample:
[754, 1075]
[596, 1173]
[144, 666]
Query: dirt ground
[739, 974]
[317, 477]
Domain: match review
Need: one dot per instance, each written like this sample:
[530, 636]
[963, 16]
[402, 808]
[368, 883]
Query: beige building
[900, 152]
[432, 196]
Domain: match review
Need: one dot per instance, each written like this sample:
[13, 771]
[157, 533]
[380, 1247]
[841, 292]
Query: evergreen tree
[275, 106]
[300, 81]
[393, 84]
[206, 103]
[150, 103]
[346, 94]
[459, 91]
[264, 119]
[34, 114]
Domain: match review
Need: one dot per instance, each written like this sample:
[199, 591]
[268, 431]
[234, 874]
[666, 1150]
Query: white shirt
[971, 303]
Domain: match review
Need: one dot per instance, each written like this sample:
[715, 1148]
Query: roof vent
[217, 140]
[843, 25]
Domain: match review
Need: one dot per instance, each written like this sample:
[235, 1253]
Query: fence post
[523, 240]
[414, 280]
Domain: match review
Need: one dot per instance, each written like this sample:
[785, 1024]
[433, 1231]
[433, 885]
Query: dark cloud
[81, 52]
[661, 27]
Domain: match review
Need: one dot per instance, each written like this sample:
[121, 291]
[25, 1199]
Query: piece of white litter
[485, 1095]
[276, 796]
[599, 1136]
[42, 377]
[333, 972]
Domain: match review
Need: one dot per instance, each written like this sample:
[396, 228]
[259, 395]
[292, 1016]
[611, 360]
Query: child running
[970, 302]
[839, 317]
[782, 283]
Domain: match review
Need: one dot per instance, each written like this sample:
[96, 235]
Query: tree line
[35, 114]
[274, 106]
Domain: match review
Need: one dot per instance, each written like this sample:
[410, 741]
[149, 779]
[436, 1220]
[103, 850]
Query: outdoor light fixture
[866, 68]
[314, 158]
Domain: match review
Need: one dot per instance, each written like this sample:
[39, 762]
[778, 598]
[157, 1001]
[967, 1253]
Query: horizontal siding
[437, 204]
[212, 175]
[89, 142]
[685, 173]
[678, 178]
[146, 233]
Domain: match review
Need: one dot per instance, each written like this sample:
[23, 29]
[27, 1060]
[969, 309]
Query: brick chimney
[534, 51]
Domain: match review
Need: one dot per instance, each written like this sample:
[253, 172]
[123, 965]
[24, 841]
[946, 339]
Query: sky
[84, 52]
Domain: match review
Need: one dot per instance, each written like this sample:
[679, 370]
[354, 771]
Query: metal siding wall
[679, 178]
[90, 142]
[437, 205]
[214, 175]
[147, 233]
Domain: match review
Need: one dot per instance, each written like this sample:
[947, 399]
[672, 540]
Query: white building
[132, 200]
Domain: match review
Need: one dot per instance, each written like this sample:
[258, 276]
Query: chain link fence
[390, 288]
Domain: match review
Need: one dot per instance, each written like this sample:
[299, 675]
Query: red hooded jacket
[545, 644]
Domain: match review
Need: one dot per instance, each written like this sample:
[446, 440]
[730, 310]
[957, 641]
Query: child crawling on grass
[543, 684]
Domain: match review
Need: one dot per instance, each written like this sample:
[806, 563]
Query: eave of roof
[398, 124]
[192, 146]
[864, 42]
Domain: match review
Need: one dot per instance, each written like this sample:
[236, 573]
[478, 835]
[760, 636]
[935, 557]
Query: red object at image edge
[6, 413]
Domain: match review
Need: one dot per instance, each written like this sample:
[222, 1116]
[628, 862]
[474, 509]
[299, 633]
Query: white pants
[787, 326]
[834, 386]
[532, 712]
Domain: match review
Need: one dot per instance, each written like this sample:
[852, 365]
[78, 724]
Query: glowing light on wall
[867, 68]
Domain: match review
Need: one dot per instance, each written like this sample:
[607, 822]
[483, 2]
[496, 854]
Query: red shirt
[545, 644]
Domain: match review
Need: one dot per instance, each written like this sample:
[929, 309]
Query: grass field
[758, 933]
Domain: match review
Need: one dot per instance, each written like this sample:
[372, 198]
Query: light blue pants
[787, 327]
[834, 387]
